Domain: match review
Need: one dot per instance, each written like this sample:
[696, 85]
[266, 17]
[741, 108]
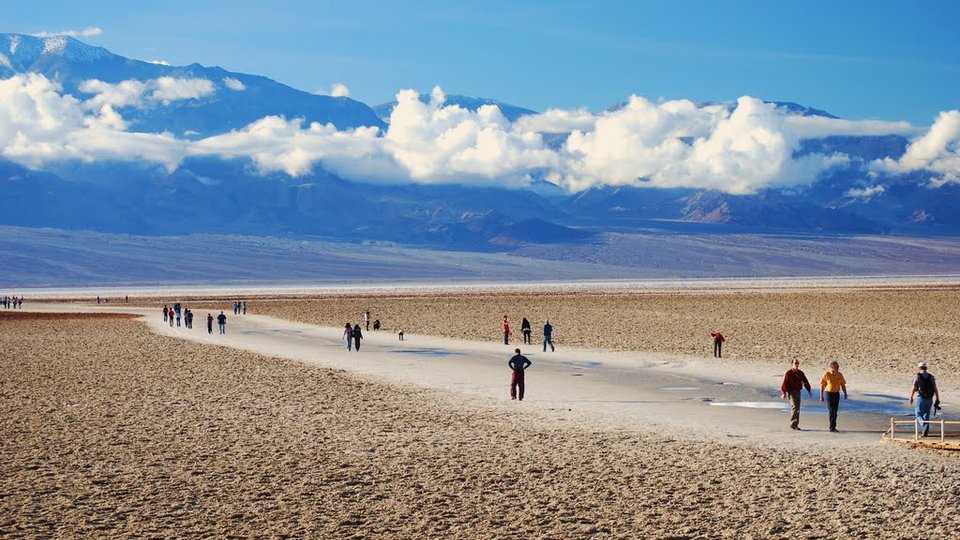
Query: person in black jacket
[357, 336]
[222, 321]
[518, 363]
[525, 328]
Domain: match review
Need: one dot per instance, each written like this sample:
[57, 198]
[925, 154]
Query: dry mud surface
[108, 430]
[881, 331]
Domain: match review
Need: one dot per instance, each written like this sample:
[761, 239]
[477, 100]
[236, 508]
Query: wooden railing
[942, 424]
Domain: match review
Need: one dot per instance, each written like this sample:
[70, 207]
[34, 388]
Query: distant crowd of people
[11, 302]
[177, 313]
[924, 394]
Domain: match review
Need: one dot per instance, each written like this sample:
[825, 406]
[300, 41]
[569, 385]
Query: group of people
[178, 313]
[353, 335]
[240, 307]
[11, 302]
[526, 330]
[924, 394]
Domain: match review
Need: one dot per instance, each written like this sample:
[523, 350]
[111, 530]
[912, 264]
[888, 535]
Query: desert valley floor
[114, 425]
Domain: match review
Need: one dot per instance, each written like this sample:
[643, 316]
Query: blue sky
[881, 59]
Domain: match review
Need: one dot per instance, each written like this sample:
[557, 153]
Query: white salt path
[630, 390]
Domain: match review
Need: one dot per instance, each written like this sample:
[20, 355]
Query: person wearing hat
[928, 395]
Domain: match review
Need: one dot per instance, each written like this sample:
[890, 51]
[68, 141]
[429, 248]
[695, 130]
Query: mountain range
[223, 195]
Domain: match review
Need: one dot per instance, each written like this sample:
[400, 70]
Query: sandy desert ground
[109, 430]
[879, 331]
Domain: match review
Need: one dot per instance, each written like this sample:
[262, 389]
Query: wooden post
[892, 428]
[941, 430]
[916, 429]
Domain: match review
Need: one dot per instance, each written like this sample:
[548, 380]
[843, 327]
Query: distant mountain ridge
[218, 196]
[70, 62]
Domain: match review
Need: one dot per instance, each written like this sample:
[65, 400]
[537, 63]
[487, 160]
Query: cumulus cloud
[437, 143]
[122, 94]
[39, 124]
[278, 144]
[132, 93]
[336, 90]
[339, 90]
[937, 150]
[167, 89]
[86, 32]
[669, 144]
[158, 62]
[558, 121]
[866, 193]
[234, 84]
[680, 144]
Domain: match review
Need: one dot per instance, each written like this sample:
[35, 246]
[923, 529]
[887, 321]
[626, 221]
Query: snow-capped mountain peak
[22, 51]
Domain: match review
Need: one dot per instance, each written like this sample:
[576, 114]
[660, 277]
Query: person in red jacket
[793, 382]
[718, 340]
[506, 330]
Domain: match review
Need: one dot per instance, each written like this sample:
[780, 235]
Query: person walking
[209, 323]
[548, 336]
[366, 319]
[164, 313]
[244, 307]
[518, 363]
[831, 384]
[348, 335]
[505, 323]
[222, 322]
[718, 340]
[170, 318]
[178, 318]
[357, 336]
[793, 382]
[927, 394]
[525, 328]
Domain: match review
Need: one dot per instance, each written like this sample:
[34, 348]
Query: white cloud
[558, 121]
[865, 193]
[680, 144]
[449, 144]
[336, 90]
[339, 90]
[937, 150]
[158, 62]
[122, 94]
[86, 32]
[811, 127]
[668, 144]
[131, 93]
[38, 124]
[277, 144]
[234, 84]
[167, 89]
